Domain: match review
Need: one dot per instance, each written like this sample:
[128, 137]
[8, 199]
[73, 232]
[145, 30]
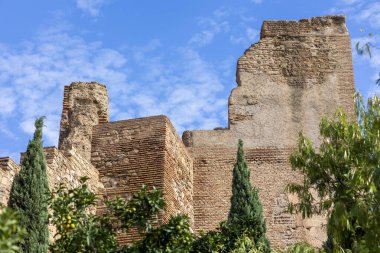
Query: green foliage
[301, 247]
[364, 49]
[78, 229]
[139, 210]
[210, 242]
[245, 229]
[245, 244]
[246, 212]
[342, 177]
[11, 233]
[29, 195]
[175, 236]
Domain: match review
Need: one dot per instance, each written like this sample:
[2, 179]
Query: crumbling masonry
[297, 72]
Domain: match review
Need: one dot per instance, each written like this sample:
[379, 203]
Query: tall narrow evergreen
[29, 195]
[246, 213]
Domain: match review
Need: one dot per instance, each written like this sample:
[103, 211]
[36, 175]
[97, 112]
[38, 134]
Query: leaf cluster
[366, 49]
[174, 236]
[140, 211]
[11, 233]
[79, 229]
[340, 177]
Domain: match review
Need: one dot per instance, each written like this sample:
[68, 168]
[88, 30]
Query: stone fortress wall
[297, 72]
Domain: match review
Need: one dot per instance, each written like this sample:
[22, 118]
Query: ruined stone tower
[84, 105]
[297, 72]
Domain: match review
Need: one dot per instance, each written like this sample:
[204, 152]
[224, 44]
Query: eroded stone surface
[8, 170]
[84, 106]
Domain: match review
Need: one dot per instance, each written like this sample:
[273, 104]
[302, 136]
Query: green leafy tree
[246, 212]
[141, 211]
[29, 195]
[300, 247]
[79, 229]
[209, 242]
[175, 236]
[342, 177]
[11, 234]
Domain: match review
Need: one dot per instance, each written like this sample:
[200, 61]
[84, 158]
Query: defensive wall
[296, 73]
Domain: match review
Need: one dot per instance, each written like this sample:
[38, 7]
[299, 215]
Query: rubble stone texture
[84, 106]
[297, 72]
[8, 170]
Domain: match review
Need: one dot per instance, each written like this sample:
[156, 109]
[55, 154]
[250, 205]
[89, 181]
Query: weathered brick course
[145, 151]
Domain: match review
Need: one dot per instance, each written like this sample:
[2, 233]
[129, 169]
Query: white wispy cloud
[349, 2]
[91, 7]
[363, 12]
[370, 14]
[211, 26]
[33, 73]
[250, 36]
[183, 86]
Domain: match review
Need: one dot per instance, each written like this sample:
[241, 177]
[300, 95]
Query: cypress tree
[246, 212]
[29, 195]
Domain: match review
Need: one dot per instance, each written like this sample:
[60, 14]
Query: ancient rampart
[297, 72]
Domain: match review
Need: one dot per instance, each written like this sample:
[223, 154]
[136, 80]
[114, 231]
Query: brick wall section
[270, 173]
[129, 154]
[8, 169]
[178, 178]
[145, 151]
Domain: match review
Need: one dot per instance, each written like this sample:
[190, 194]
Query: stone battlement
[334, 25]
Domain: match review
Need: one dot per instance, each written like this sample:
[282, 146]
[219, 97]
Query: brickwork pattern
[178, 178]
[270, 173]
[145, 151]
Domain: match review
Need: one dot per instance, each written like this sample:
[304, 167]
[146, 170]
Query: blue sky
[171, 57]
